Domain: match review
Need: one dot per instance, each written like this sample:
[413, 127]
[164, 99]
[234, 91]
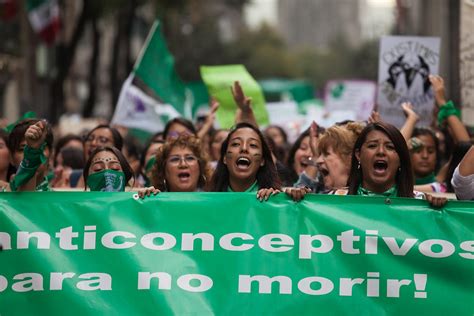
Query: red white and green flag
[8, 9]
[44, 18]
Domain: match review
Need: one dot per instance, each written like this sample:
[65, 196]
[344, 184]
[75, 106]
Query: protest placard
[466, 67]
[405, 62]
[220, 79]
[354, 98]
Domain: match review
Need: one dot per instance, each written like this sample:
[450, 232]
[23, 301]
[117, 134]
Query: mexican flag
[44, 18]
[166, 95]
[8, 9]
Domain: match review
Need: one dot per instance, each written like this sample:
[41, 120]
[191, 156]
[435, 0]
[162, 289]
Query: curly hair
[340, 138]
[158, 178]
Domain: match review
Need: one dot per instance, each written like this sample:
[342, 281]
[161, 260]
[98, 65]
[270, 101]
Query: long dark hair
[291, 155]
[116, 137]
[267, 176]
[181, 121]
[127, 170]
[419, 131]
[460, 150]
[403, 178]
[11, 169]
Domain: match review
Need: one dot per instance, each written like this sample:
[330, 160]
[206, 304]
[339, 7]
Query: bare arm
[244, 112]
[410, 122]
[312, 170]
[456, 127]
[466, 167]
[214, 105]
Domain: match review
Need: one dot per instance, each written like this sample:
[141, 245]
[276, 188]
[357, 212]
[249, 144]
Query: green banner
[83, 253]
[219, 80]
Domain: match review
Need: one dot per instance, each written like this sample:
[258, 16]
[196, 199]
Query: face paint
[107, 180]
[244, 157]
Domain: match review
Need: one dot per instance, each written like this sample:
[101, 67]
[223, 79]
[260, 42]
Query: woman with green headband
[107, 170]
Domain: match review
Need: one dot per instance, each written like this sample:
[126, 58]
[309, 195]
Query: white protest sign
[354, 97]
[466, 67]
[404, 66]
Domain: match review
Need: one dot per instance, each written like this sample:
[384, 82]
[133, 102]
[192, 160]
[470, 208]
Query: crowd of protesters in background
[370, 158]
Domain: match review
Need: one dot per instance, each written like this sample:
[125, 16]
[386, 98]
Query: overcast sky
[259, 11]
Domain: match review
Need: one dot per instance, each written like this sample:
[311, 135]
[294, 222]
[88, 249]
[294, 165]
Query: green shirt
[426, 180]
[392, 192]
[253, 188]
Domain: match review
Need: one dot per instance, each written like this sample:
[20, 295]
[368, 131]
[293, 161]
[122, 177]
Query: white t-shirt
[463, 186]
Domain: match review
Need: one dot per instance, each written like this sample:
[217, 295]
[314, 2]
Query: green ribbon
[426, 180]
[25, 116]
[107, 181]
[447, 110]
[43, 186]
[392, 192]
[32, 159]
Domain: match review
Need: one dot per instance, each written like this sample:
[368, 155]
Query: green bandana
[252, 188]
[32, 159]
[446, 111]
[392, 192]
[149, 164]
[426, 180]
[107, 181]
[43, 186]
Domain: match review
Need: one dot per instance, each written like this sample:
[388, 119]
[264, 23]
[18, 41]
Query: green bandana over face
[107, 181]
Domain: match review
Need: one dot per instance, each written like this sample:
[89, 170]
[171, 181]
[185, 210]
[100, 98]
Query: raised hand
[438, 87]
[210, 118]
[314, 139]
[35, 135]
[240, 99]
[374, 117]
[407, 108]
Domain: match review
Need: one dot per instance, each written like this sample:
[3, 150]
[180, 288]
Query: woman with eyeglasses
[180, 166]
[100, 136]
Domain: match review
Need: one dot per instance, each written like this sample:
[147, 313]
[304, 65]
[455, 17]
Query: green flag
[155, 67]
[219, 79]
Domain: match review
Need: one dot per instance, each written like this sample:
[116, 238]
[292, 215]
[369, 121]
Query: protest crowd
[372, 158]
